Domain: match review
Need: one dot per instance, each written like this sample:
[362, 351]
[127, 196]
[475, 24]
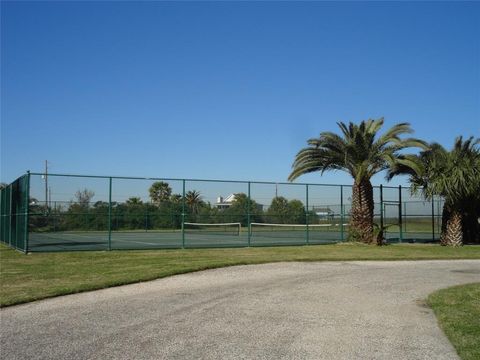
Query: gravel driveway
[323, 310]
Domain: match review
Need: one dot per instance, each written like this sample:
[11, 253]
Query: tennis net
[291, 230]
[213, 229]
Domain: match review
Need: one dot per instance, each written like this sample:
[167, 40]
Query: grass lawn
[36, 276]
[458, 312]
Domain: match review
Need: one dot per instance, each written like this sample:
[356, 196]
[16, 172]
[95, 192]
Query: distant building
[323, 212]
[225, 203]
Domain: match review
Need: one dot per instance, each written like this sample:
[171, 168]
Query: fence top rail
[203, 180]
[11, 184]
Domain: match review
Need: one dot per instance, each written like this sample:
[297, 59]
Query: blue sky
[225, 90]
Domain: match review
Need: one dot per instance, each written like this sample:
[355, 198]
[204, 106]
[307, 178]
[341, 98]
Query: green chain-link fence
[14, 214]
[72, 212]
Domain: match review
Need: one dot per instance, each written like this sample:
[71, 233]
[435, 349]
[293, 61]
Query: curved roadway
[326, 310]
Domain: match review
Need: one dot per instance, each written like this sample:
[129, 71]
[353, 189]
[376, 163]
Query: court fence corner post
[27, 212]
[109, 213]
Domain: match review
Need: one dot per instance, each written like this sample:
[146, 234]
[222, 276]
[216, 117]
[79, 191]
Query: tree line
[163, 211]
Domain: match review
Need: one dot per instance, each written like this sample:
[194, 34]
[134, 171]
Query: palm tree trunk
[470, 221]
[453, 229]
[361, 223]
[446, 213]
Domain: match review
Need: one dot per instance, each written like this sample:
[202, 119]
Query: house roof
[322, 209]
[229, 199]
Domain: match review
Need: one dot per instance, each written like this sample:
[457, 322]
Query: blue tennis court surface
[98, 240]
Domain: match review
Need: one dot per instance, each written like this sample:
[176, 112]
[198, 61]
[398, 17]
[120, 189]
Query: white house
[225, 203]
[323, 212]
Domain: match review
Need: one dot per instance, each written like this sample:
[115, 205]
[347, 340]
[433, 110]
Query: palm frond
[356, 150]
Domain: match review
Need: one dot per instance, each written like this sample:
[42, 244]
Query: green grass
[36, 276]
[458, 312]
[411, 224]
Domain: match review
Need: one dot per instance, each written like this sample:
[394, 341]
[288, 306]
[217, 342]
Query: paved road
[330, 310]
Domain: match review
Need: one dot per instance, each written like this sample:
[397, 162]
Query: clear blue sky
[225, 90]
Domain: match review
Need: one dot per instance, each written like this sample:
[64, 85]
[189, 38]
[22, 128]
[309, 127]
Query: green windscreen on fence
[73, 212]
[14, 214]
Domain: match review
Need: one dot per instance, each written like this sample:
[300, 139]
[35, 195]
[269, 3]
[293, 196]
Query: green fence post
[17, 233]
[110, 214]
[433, 218]
[249, 228]
[183, 216]
[10, 218]
[5, 217]
[146, 219]
[1, 215]
[381, 210]
[307, 216]
[27, 205]
[439, 216]
[342, 214]
[4, 212]
[400, 216]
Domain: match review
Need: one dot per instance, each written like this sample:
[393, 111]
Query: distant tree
[193, 199]
[100, 204]
[208, 214]
[37, 219]
[278, 211]
[282, 211]
[160, 192]
[134, 201]
[239, 209]
[84, 197]
[81, 216]
[176, 199]
[98, 216]
[296, 212]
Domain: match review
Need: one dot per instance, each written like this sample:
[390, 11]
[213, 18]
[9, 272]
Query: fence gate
[392, 220]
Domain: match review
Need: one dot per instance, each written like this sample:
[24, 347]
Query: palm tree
[160, 192]
[455, 176]
[176, 199]
[361, 152]
[193, 199]
[134, 201]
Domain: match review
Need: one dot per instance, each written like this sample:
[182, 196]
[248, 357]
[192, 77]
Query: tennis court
[78, 212]
[260, 235]
[98, 240]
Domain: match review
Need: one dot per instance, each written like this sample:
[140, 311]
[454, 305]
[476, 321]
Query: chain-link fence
[72, 212]
[14, 214]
